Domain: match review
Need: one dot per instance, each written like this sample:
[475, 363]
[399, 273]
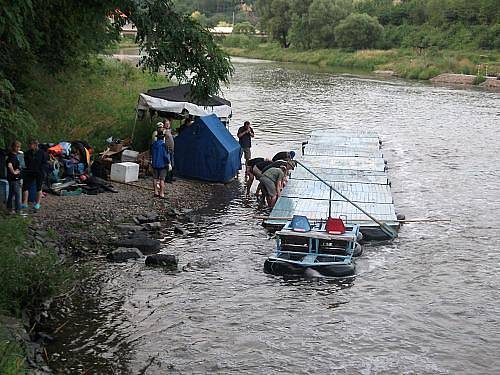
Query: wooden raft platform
[353, 163]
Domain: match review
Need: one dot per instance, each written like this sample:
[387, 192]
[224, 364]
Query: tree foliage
[358, 31]
[55, 35]
[276, 18]
[324, 16]
[407, 23]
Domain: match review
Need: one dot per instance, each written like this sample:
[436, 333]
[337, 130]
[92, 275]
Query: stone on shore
[152, 226]
[147, 218]
[491, 83]
[129, 228]
[146, 245]
[179, 230]
[456, 79]
[162, 260]
[122, 254]
[385, 73]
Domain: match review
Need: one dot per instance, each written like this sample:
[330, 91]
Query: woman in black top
[14, 178]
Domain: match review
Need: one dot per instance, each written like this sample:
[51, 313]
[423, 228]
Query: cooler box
[124, 172]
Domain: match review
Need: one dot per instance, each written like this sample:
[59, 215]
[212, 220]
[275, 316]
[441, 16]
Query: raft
[303, 247]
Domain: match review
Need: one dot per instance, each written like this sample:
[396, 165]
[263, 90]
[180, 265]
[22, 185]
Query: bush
[358, 31]
[27, 276]
[11, 357]
[244, 28]
[240, 41]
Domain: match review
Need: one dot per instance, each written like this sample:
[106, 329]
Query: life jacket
[159, 155]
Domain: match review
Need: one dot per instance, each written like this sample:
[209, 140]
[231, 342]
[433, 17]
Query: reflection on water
[425, 303]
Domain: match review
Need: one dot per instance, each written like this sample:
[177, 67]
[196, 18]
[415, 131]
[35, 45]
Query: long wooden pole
[425, 220]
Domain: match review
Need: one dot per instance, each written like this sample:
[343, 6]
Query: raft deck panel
[352, 163]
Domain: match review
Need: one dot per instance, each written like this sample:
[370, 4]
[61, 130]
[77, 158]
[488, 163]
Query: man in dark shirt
[36, 162]
[14, 178]
[245, 135]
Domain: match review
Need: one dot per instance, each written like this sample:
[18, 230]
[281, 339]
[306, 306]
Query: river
[425, 303]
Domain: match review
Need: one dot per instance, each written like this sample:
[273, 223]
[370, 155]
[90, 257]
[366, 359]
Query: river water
[426, 303]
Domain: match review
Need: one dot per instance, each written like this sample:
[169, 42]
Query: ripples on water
[427, 303]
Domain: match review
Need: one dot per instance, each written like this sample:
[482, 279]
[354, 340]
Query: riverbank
[80, 229]
[92, 102]
[405, 63]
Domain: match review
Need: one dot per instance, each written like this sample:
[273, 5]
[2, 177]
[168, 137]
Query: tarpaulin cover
[207, 151]
[178, 99]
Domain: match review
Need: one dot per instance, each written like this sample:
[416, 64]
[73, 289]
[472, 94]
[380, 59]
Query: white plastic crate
[125, 172]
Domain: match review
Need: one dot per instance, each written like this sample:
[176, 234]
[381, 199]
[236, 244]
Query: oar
[385, 228]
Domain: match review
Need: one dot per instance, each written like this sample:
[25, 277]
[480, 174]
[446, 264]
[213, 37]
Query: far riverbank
[458, 66]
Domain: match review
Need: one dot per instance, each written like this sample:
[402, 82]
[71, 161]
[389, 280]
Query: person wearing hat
[160, 161]
[159, 127]
[284, 155]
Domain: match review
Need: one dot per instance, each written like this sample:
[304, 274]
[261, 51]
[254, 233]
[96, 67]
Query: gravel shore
[84, 224]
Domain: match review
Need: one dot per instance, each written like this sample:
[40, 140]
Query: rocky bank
[105, 227]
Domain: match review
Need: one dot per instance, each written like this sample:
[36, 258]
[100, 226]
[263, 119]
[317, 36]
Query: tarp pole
[135, 120]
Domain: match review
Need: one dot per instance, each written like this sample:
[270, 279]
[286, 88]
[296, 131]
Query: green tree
[324, 16]
[358, 31]
[276, 18]
[54, 35]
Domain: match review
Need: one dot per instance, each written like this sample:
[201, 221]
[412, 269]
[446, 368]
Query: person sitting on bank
[34, 173]
[245, 135]
[160, 162]
[14, 178]
[284, 155]
[272, 180]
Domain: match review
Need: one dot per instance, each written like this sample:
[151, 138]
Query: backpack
[159, 155]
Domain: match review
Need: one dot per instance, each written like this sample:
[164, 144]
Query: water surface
[426, 303]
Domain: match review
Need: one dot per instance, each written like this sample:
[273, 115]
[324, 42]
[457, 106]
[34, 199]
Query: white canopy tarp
[158, 104]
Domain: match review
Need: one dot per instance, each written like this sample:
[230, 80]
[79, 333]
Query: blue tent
[207, 151]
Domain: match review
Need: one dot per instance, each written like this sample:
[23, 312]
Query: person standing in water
[245, 135]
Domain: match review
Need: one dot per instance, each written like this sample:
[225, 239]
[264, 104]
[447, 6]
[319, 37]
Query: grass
[407, 63]
[93, 102]
[11, 356]
[28, 276]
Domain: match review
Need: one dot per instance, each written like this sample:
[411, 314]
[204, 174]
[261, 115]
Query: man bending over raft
[272, 180]
[284, 155]
[249, 171]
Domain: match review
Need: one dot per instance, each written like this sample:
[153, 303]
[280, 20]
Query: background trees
[51, 36]
[358, 31]
[455, 24]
